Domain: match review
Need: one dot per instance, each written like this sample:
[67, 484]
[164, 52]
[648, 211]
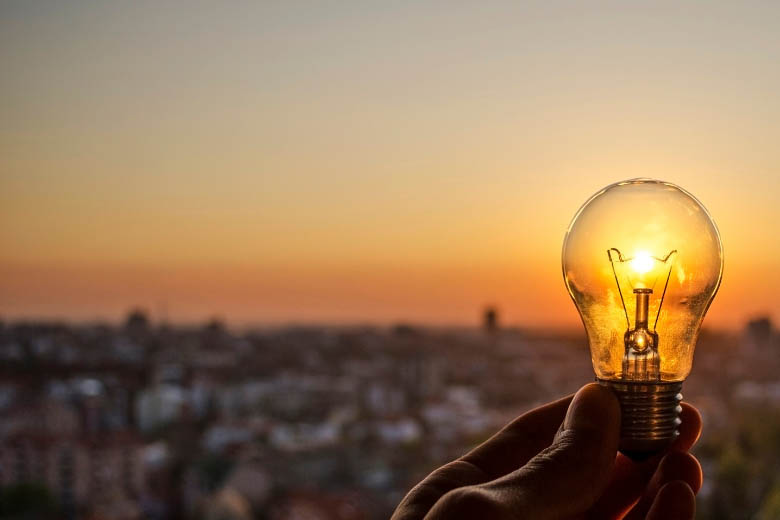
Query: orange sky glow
[368, 164]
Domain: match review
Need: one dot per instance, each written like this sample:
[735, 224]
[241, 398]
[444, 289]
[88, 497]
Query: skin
[560, 461]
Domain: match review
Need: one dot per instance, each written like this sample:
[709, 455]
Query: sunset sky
[368, 162]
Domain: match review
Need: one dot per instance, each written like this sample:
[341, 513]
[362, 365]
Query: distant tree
[732, 478]
[770, 508]
[27, 500]
[744, 477]
[213, 470]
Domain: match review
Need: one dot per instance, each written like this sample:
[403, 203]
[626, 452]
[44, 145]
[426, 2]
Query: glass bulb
[642, 260]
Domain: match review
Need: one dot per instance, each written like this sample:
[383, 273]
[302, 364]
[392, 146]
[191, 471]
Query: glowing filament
[642, 262]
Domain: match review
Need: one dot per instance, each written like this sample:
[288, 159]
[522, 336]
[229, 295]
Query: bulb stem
[642, 306]
[650, 415]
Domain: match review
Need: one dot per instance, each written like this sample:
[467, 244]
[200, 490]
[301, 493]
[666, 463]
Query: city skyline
[367, 163]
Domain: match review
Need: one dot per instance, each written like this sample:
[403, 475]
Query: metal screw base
[650, 416]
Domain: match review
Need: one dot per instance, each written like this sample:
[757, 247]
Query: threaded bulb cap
[650, 415]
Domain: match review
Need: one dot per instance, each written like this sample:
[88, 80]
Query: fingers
[471, 502]
[630, 479]
[506, 451]
[675, 501]
[424, 495]
[675, 466]
[519, 441]
[690, 428]
[566, 478]
[577, 466]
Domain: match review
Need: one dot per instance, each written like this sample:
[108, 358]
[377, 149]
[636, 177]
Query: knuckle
[579, 447]
[468, 502]
[462, 472]
[451, 476]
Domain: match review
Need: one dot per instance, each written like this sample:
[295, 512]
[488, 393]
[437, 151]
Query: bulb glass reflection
[642, 260]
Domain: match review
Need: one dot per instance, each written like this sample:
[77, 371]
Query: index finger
[519, 441]
[504, 452]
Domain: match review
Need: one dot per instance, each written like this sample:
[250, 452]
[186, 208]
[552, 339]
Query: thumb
[568, 477]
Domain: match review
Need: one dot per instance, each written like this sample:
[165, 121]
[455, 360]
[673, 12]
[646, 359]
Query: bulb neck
[650, 415]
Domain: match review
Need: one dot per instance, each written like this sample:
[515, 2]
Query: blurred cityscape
[147, 420]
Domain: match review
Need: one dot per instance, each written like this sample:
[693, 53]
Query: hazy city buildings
[147, 421]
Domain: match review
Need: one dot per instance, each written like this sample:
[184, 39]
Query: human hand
[560, 461]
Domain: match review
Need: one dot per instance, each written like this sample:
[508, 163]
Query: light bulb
[642, 260]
